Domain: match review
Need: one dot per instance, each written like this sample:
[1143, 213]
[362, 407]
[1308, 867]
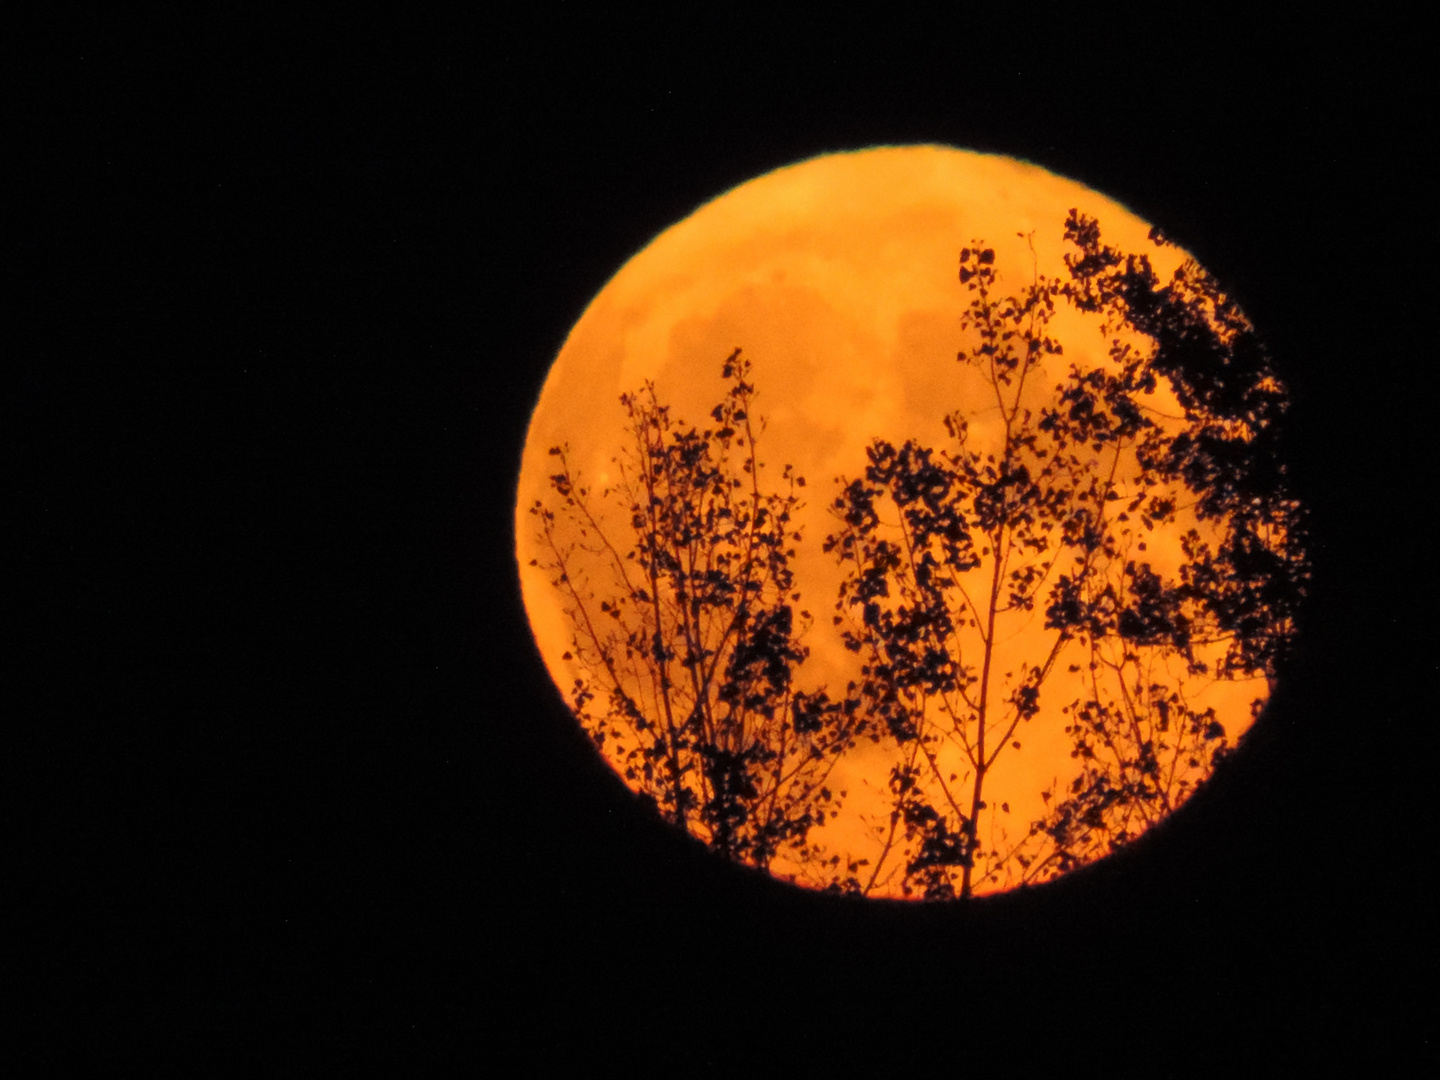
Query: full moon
[836, 278]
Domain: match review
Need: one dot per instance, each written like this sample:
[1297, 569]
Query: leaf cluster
[685, 621]
[954, 553]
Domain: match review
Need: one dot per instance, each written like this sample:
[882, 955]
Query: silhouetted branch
[692, 636]
[1060, 509]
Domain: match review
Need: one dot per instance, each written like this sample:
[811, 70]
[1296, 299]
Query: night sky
[290, 778]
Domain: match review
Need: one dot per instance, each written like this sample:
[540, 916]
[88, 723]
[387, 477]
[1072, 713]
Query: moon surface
[837, 276]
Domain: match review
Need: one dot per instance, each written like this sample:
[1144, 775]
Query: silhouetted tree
[684, 622]
[952, 553]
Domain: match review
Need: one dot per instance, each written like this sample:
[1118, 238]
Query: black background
[288, 776]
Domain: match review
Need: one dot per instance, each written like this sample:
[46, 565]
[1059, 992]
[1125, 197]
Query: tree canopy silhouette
[1038, 536]
[684, 622]
[1106, 535]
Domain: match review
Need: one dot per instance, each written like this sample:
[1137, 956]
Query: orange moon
[837, 276]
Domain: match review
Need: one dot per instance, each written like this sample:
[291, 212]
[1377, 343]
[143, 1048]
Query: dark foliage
[984, 573]
[1106, 536]
[685, 625]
